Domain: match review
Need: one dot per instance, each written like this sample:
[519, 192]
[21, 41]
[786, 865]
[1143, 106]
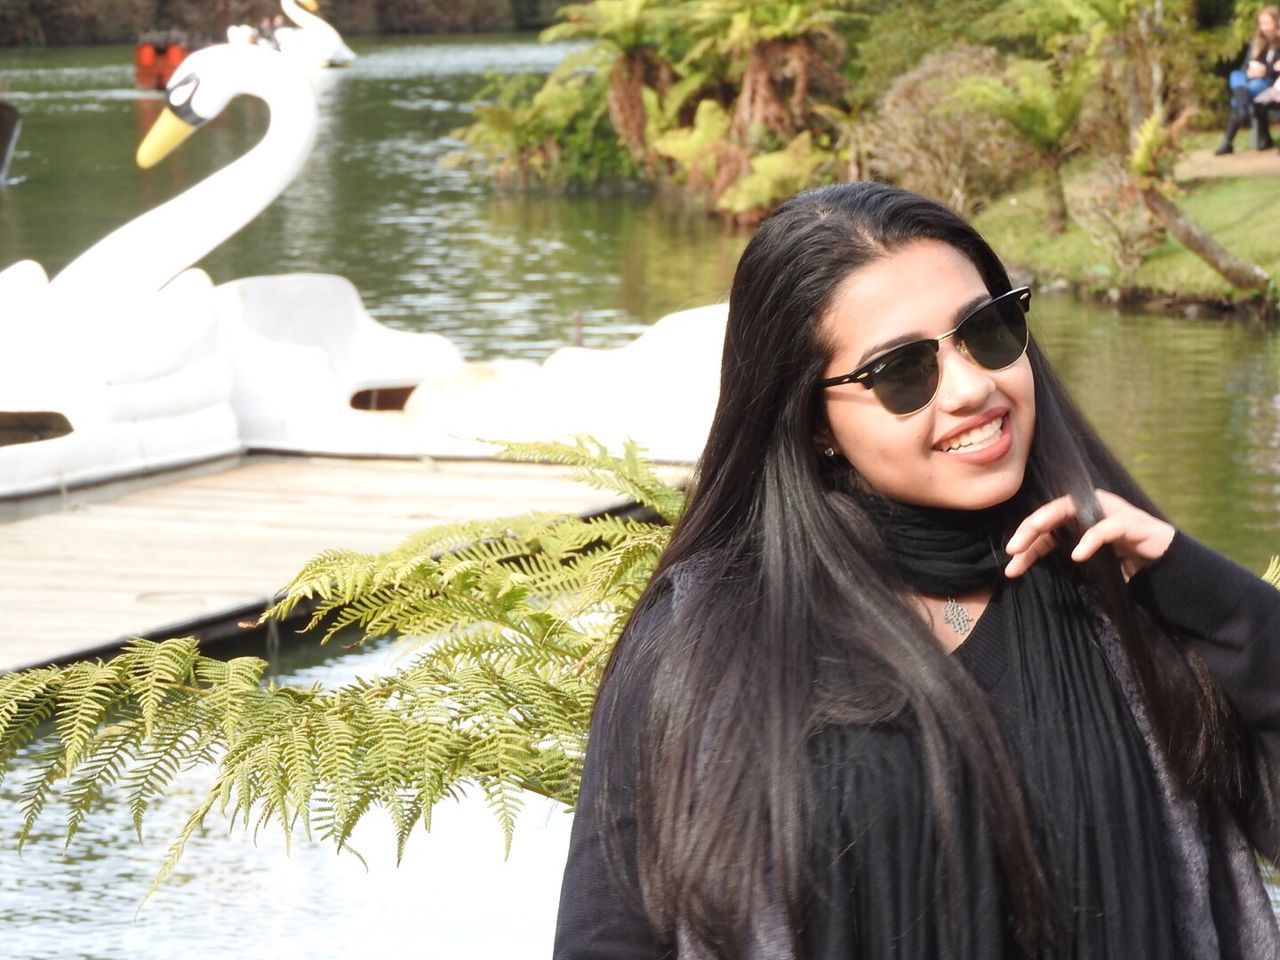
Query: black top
[1084, 767]
[1269, 57]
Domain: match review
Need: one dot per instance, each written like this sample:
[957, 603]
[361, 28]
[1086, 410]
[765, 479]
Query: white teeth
[978, 437]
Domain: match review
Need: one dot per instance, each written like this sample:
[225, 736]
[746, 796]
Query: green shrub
[925, 140]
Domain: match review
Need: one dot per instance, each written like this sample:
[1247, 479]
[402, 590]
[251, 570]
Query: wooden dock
[180, 556]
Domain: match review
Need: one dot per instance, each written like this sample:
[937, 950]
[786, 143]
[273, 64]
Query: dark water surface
[1189, 405]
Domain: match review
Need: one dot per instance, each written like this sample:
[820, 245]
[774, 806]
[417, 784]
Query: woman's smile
[978, 434]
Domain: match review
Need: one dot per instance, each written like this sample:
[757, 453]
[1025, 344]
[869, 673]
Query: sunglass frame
[866, 373]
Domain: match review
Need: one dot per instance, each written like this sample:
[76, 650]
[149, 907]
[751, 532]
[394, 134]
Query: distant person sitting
[1256, 75]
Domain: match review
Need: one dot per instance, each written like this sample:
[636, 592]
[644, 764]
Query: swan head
[203, 85]
[309, 5]
[177, 122]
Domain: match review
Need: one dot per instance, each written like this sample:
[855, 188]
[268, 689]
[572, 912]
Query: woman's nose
[965, 384]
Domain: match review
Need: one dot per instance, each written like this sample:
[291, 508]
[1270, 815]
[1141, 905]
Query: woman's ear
[824, 442]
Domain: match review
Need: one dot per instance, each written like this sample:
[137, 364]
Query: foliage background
[738, 104]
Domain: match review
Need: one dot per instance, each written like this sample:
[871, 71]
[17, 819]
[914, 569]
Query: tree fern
[505, 624]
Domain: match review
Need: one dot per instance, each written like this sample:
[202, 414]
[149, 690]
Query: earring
[829, 452]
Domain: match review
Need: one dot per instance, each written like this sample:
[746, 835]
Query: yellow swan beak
[163, 138]
[309, 5]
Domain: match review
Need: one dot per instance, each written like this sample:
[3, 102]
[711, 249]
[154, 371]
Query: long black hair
[796, 621]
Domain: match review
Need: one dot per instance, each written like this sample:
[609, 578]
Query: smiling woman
[923, 672]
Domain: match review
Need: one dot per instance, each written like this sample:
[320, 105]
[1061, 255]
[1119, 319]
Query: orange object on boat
[156, 56]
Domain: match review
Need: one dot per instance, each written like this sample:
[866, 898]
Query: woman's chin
[973, 494]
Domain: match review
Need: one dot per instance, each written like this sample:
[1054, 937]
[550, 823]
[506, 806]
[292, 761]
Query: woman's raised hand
[1137, 537]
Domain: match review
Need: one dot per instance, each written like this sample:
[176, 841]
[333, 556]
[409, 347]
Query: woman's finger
[1138, 537]
[1147, 537]
[1023, 559]
[1108, 530]
[1041, 521]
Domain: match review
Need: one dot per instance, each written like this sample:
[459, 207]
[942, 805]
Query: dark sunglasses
[905, 379]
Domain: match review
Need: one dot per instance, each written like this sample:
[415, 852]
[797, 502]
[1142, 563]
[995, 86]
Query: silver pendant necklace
[956, 616]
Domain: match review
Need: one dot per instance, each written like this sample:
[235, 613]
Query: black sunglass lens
[996, 335]
[907, 378]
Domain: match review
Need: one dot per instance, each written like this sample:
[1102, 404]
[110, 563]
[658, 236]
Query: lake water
[501, 274]
[1190, 405]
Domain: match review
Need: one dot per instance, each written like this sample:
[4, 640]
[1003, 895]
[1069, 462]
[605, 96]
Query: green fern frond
[103, 767]
[631, 559]
[37, 789]
[195, 821]
[629, 474]
[88, 692]
[1272, 575]
[173, 750]
[506, 625]
[158, 669]
[26, 701]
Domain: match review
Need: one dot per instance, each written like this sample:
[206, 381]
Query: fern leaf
[157, 669]
[508, 622]
[195, 821]
[168, 753]
[628, 474]
[88, 691]
[106, 763]
[37, 790]
[1272, 575]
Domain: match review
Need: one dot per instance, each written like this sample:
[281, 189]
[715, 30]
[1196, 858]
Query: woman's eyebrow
[957, 317]
[876, 349]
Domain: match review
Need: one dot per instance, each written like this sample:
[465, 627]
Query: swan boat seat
[302, 347]
[142, 392]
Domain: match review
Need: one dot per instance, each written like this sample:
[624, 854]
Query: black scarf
[942, 552]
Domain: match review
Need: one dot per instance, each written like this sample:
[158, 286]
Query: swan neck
[303, 18]
[148, 252]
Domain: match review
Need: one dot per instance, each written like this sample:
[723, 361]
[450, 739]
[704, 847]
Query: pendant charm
[956, 616]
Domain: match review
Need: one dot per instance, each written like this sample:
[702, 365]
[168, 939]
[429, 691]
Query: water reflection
[1189, 406]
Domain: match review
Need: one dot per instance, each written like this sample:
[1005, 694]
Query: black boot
[1241, 111]
[1233, 126]
[1261, 127]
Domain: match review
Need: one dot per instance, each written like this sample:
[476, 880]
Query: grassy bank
[1242, 213]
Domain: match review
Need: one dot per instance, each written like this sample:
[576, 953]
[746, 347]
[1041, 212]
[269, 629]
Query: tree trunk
[626, 103]
[1133, 94]
[1157, 68]
[1240, 273]
[1055, 200]
[759, 107]
[1145, 52]
[799, 56]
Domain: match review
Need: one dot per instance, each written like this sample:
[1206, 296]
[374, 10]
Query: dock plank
[201, 547]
